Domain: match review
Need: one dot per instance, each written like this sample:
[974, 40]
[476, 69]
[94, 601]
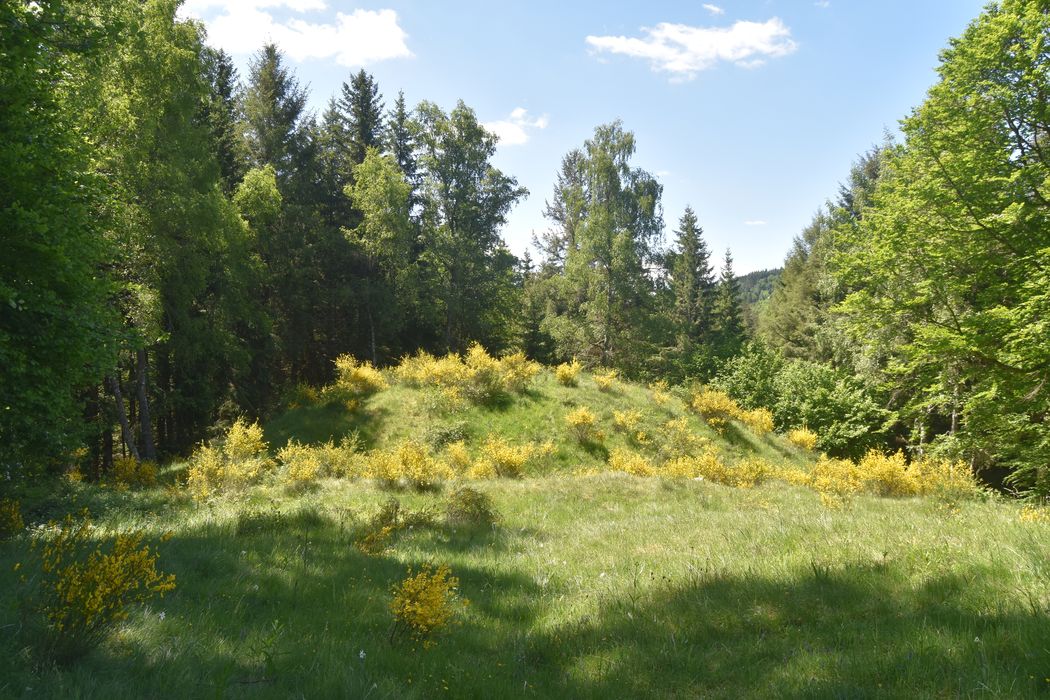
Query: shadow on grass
[857, 631]
[320, 422]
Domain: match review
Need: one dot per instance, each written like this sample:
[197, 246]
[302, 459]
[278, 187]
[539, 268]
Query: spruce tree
[692, 282]
[728, 315]
[362, 109]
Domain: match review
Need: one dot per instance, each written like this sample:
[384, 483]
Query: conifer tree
[692, 283]
[362, 108]
[728, 315]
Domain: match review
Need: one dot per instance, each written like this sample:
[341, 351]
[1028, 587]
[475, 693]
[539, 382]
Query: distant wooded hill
[758, 285]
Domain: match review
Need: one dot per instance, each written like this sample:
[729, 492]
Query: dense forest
[185, 245]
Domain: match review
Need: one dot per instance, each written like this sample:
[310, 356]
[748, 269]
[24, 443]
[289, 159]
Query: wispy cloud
[714, 9]
[515, 129]
[359, 38]
[823, 3]
[755, 222]
[684, 51]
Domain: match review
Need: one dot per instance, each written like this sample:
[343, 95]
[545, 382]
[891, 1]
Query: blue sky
[751, 110]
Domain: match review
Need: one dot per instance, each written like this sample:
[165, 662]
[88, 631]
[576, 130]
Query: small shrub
[518, 372]
[11, 522]
[582, 424]
[437, 436]
[567, 373]
[945, 479]
[744, 474]
[424, 603]
[483, 380]
[630, 462]
[357, 379]
[85, 589]
[506, 460]
[626, 421]
[677, 440]
[802, 437]
[237, 460]
[837, 481]
[606, 381]
[302, 464]
[407, 464]
[887, 475]
[458, 456]
[130, 473]
[760, 421]
[661, 394]
[716, 408]
[467, 506]
[385, 525]
[1034, 514]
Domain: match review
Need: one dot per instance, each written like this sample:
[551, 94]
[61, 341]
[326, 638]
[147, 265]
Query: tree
[57, 333]
[727, 313]
[610, 223]
[465, 201]
[692, 282]
[565, 210]
[272, 106]
[362, 108]
[381, 193]
[221, 113]
[944, 267]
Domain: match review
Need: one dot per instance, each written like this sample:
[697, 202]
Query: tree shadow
[318, 423]
[858, 630]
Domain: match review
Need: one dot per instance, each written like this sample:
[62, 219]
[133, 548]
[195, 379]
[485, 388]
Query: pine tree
[221, 113]
[273, 105]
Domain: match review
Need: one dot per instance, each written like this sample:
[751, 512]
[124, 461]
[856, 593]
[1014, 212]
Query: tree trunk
[149, 451]
[122, 415]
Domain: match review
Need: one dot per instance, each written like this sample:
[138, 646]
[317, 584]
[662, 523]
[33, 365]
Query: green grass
[591, 586]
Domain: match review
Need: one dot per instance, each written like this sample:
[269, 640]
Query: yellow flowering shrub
[85, 588]
[661, 393]
[518, 372]
[887, 475]
[424, 603]
[129, 472]
[582, 424]
[716, 408]
[606, 381]
[793, 475]
[1034, 514]
[302, 464]
[235, 461]
[677, 440]
[407, 464]
[11, 522]
[567, 373]
[467, 506]
[458, 456]
[626, 421]
[745, 474]
[630, 462]
[476, 376]
[356, 378]
[802, 437]
[837, 481]
[945, 479]
[390, 520]
[760, 421]
[507, 460]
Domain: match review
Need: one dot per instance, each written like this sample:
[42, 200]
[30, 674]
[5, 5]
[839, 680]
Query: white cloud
[684, 51]
[714, 9]
[514, 130]
[360, 38]
[823, 3]
[755, 222]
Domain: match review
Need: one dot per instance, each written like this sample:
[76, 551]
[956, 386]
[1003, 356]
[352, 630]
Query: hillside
[757, 286]
[591, 582]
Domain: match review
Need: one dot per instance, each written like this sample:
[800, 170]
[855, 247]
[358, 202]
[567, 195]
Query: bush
[802, 437]
[759, 420]
[467, 506]
[11, 522]
[630, 462]
[677, 440]
[945, 479]
[582, 425]
[357, 379]
[567, 373]
[626, 421]
[836, 480]
[606, 380]
[424, 603]
[498, 458]
[716, 408]
[660, 392]
[130, 473]
[83, 589]
[385, 524]
[518, 372]
[238, 459]
[408, 464]
[437, 436]
[887, 475]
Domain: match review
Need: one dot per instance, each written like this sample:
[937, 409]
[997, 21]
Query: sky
[750, 111]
